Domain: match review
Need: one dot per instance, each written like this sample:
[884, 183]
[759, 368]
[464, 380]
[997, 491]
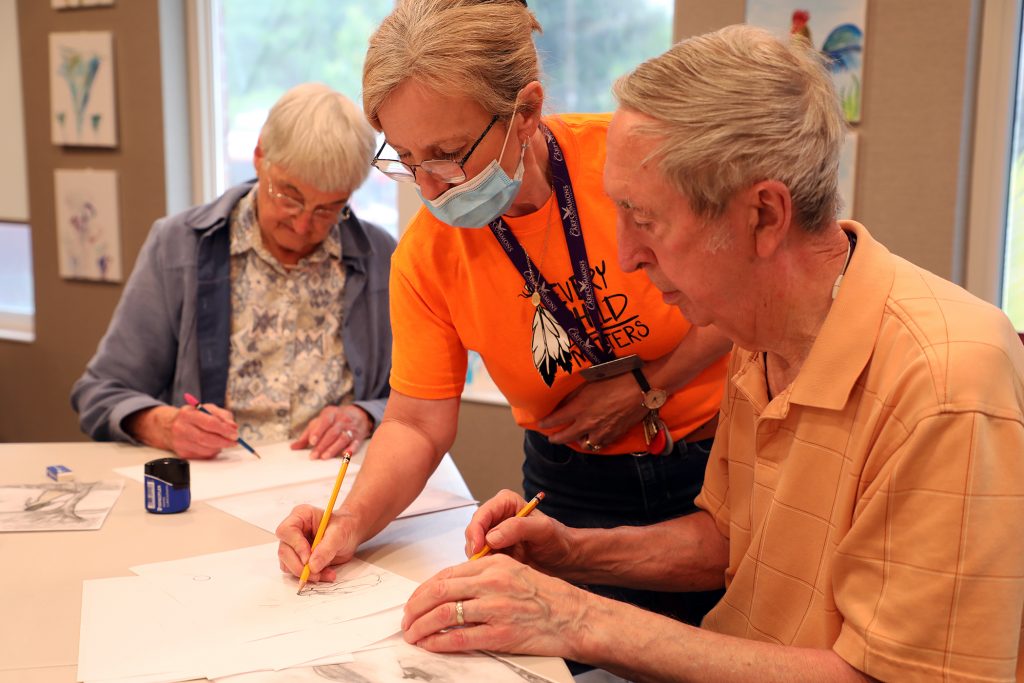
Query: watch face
[655, 398]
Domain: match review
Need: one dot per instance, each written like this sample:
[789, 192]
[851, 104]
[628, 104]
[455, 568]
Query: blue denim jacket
[170, 331]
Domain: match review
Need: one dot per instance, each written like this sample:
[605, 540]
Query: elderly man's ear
[770, 214]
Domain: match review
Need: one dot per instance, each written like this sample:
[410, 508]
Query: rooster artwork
[842, 52]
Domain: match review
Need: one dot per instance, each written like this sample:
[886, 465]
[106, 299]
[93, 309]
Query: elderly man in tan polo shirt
[863, 501]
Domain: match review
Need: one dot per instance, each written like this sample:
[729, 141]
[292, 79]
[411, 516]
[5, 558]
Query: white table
[42, 573]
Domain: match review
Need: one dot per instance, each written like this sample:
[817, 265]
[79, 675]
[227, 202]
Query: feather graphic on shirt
[550, 345]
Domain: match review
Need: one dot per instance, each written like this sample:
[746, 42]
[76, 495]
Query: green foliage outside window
[267, 46]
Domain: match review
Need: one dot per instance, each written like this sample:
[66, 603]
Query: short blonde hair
[319, 136]
[738, 106]
[483, 50]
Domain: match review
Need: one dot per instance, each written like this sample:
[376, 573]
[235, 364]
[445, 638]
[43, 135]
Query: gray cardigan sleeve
[133, 367]
[369, 344]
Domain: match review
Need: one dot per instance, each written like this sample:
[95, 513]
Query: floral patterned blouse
[287, 361]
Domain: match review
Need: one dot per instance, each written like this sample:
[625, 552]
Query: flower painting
[88, 224]
[835, 28]
[82, 104]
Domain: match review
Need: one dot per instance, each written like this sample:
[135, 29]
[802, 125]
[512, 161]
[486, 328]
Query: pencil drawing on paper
[403, 663]
[63, 506]
[344, 586]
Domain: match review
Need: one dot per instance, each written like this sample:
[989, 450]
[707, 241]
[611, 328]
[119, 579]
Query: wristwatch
[653, 398]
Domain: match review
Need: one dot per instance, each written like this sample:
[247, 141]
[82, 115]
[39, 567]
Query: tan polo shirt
[876, 506]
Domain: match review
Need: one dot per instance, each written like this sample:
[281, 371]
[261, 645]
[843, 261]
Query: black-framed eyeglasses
[322, 215]
[445, 170]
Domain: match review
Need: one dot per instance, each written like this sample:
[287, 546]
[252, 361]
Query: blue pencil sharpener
[166, 485]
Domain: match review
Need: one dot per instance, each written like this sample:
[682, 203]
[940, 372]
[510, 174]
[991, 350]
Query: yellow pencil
[527, 509]
[345, 457]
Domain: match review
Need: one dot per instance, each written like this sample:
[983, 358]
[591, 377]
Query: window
[995, 248]
[17, 301]
[1012, 295]
[587, 44]
[264, 47]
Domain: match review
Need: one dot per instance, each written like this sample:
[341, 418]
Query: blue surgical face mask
[482, 198]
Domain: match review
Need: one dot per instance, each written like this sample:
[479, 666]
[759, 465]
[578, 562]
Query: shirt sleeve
[134, 364]
[930, 577]
[428, 357]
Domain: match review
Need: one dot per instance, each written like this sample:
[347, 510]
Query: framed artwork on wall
[82, 101]
[88, 224]
[833, 27]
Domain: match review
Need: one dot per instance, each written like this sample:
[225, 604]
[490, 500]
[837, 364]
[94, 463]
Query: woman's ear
[530, 106]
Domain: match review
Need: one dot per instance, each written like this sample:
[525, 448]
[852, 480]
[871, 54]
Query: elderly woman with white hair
[270, 304]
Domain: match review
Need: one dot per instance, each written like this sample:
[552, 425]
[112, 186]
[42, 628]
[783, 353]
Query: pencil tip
[301, 586]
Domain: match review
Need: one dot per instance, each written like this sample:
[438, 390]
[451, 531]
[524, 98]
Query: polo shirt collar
[847, 337]
[844, 344]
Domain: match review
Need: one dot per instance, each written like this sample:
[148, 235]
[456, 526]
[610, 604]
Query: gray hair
[738, 106]
[483, 50]
[319, 136]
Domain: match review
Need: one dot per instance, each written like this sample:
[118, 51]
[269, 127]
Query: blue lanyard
[562, 187]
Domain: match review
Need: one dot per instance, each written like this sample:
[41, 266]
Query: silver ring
[349, 433]
[460, 613]
[592, 447]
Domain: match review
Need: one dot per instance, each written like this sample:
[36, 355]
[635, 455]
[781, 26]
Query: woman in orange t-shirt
[514, 256]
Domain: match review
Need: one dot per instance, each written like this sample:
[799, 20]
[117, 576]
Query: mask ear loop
[508, 132]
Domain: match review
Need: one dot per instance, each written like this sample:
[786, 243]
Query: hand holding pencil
[194, 402]
[523, 511]
[304, 577]
[313, 539]
[509, 524]
[185, 431]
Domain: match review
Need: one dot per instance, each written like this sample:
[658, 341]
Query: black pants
[585, 490]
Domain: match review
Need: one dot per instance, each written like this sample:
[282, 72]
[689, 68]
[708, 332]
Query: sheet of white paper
[129, 629]
[57, 506]
[243, 592]
[236, 471]
[266, 509]
[333, 643]
[400, 662]
[131, 632]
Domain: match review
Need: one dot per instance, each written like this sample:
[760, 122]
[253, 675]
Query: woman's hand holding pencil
[185, 431]
[296, 533]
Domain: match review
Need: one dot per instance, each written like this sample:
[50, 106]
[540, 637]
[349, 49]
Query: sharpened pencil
[345, 458]
[527, 509]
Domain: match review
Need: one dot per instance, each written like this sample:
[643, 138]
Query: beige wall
[911, 154]
[71, 316]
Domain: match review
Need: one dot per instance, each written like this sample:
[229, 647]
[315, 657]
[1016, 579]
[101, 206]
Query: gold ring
[592, 447]
[460, 613]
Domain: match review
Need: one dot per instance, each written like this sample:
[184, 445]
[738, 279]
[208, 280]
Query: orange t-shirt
[454, 289]
[873, 507]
